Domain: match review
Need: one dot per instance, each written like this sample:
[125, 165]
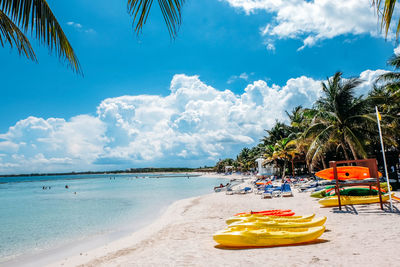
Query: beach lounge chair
[245, 190]
[286, 190]
[271, 191]
[267, 191]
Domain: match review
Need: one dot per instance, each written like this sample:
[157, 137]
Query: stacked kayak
[349, 191]
[277, 223]
[256, 217]
[258, 230]
[346, 173]
[351, 200]
[268, 212]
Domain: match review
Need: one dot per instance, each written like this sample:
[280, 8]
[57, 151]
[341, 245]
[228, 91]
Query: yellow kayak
[351, 200]
[255, 217]
[257, 224]
[267, 237]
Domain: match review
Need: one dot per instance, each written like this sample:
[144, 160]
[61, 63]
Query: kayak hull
[268, 213]
[267, 237]
[241, 225]
[351, 200]
[346, 173]
[255, 217]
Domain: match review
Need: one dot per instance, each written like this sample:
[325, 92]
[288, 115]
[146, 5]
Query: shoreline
[182, 236]
[120, 246]
[61, 250]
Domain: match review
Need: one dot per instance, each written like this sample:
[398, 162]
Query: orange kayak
[269, 213]
[346, 173]
[263, 183]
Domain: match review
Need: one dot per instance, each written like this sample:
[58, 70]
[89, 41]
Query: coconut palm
[276, 133]
[243, 159]
[341, 120]
[171, 10]
[18, 17]
[386, 95]
[285, 151]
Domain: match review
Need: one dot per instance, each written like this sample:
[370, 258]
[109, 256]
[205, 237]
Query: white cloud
[396, 51]
[271, 47]
[79, 27]
[369, 77]
[194, 125]
[243, 76]
[35, 144]
[313, 21]
[74, 24]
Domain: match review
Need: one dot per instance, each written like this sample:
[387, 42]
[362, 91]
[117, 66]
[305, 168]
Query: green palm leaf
[10, 33]
[386, 13]
[37, 17]
[171, 10]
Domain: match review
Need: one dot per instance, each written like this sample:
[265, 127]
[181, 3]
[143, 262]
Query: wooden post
[373, 171]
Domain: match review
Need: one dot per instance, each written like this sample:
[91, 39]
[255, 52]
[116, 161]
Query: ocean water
[33, 219]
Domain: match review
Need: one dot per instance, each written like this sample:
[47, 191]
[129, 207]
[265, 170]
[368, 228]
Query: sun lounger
[245, 190]
[271, 191]
[286, 190]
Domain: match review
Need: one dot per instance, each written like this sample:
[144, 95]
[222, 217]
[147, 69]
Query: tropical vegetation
[341, 125]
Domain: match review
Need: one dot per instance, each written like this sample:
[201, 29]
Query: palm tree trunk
[346, 155]
[353, 151]
[323, 162]
[284, 170]
[293, 167]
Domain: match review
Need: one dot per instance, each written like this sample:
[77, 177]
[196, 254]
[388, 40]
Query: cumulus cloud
[396, 51]
[313, 21]
[36, 145]
[369, 77]
[195, 124]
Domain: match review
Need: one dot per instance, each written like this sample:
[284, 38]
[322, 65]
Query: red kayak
[269, 213]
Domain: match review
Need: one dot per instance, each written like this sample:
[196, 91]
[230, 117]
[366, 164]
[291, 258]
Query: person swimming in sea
[66, 186]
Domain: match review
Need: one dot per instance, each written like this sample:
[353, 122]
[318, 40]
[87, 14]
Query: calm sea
[33, 219]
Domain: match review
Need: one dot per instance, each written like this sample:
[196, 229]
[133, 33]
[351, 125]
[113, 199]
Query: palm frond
[386, 14]
[36, 16]
[171, 10]
[11, 34]
[355, 143]
[389, 76]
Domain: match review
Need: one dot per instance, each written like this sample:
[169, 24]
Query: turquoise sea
[33, 219]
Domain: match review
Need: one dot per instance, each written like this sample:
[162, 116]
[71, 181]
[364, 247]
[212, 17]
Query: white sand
[359, 235]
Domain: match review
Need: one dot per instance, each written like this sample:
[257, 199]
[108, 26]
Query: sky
[145, 100]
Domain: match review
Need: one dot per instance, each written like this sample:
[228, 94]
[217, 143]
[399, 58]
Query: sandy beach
[182, 236]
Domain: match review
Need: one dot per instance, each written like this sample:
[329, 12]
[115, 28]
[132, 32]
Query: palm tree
[386, 95]
[171, 10]
[284, 150]
[18, 17]
[341, 120]
[386, 13]
[276, 133]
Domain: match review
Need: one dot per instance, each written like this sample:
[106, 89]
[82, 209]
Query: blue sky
[146, 100]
